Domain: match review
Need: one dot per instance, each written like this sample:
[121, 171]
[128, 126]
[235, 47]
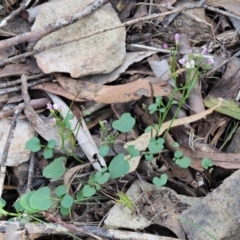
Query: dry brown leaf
[70, 172]
[19, 69]
[115, 94]
[58, 90]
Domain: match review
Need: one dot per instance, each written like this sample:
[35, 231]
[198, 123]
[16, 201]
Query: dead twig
[30, 171]
[71, 228]
[221, 12]
[18, 81]
[6, 149]
[18, 88]
[35, 104]
[14, 13]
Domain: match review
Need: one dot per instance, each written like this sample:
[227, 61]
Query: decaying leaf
[228, 107]
[117, 93]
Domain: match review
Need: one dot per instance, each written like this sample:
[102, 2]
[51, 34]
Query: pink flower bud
[53, 121]
[204, 51]
[182, 60]
[177, 38]
[57, 106]
[165, 46]
[210, 61]
[49, 106]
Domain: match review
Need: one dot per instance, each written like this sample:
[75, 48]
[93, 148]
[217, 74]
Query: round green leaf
[175, 144]
[18, 206]
[160, 140]
[98, 187]
[24, 201]
[69, 117]
[51, 143]
[148, 129]
[60, 190]
[184, 162]
[48, 153]
[88, 191]
[149, 156]
[125, 123]
[206, 163]
[33, 144]
[133, 151]
[178, 154]
[55, 169]
[161, 180]
[79, 195]
[41, 199]
[2, 203]
[174, 102]
[103, 150]
[152, 108]
[67, 201]
[102, 178]
[155, 146]
[118, 166]
[64, 211]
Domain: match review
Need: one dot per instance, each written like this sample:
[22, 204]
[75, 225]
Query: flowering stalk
[64, 125]
[192, 66]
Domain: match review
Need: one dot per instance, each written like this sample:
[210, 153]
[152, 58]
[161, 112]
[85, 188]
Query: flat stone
[216, 214]
[17, 152]
[101, 53]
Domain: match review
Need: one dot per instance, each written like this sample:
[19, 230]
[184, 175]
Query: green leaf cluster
[180, 160]
[34, 201]
[66, 201]
[94, 183]
[34, 145]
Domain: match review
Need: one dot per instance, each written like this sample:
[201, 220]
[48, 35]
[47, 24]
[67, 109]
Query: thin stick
[70, 227]
[19, 81]
[6, 149]
[30, 171]
[18, 88]
[14, 13]
[221, 12]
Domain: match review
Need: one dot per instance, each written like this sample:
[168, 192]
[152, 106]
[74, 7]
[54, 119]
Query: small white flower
[190, 64]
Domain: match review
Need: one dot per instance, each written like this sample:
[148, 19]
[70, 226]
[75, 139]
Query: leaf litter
[107, 64]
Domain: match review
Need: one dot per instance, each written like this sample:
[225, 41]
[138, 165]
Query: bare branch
[6, 149]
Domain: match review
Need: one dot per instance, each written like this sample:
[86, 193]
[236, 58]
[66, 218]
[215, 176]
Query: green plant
[119, 165]
[124, 200]
[34, 145]
[162, 180]
[206, 163]
[180, 160]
